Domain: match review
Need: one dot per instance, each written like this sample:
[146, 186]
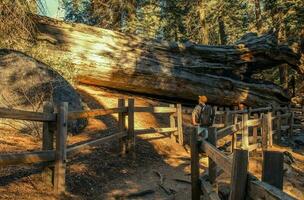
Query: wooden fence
[255, 128]
[55, 131]
[264, 123]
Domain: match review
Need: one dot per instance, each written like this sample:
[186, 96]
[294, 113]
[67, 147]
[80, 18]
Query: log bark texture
[171, 70]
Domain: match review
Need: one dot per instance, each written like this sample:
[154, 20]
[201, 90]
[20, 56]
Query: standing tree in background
[257, 9]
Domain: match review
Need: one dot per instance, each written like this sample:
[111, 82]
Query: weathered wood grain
[26, 158]
[94, 113]
[195, 183]
[155, 109]
[180, 124]
[131, 124]
[75, 148]
[155, 130]
[122, 127]
[26, 115]
[273, 171]
[171, 70]
[60, 152]
[239, 175]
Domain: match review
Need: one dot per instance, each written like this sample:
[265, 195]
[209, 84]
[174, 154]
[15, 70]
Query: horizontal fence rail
[93, 142]
[155, 130]
[26, 158]
[26, 115]
[223, 161]
[94, 113]
[155, 109]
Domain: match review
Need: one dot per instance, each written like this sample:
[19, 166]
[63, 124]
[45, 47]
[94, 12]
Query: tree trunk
[171, 70]
[204, 28]
[257, 14]
[223, 36]
[283, 70]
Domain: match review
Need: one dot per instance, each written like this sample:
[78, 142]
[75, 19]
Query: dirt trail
[100, 173]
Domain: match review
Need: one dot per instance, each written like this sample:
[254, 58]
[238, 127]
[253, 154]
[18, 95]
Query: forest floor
[100, 173]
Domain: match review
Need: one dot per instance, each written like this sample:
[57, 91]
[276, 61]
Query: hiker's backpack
[206, 116]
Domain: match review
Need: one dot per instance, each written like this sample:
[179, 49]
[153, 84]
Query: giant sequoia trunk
[171, 70]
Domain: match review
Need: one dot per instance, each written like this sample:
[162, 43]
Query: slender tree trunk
[284, 76]
[258, 14]
[204, 28]
[222, 32]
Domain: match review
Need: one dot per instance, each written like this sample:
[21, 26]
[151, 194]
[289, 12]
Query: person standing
[202, 117]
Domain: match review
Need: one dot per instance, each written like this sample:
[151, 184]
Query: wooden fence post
[227, 117]
[255, 130]
[215, 117]
[245, 134]
[180, 124]
[269, 128]
[221, 116]
[234, 135]
[212, 139]
[172, 122]
[239, 175]
[264, 132]
[131, 132]
[278, 129]
[48, 141]
[195, 183]
[302, 113]
[60, 153]
[291, 125]
[122, 127]
[273, 171]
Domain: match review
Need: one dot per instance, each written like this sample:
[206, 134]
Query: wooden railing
[278, 120]
[245, 123]
[271, 121]
[242, 183]
[55, 127]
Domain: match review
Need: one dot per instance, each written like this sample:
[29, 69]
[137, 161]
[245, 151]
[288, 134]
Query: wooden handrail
[94, 113]
[155, 109]
[27, 157]
[228, 130]
[218, 125]
[297, 110]
[285, 115]
[251, 110]
[257, 189]
[99, 112]
[79, 146]
[254, 122]
[26, 115]
[155, 130]
[223, 161]
[261, 190]
[220, 112]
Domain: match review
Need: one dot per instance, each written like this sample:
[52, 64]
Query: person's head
[202, 99]
[241, 106]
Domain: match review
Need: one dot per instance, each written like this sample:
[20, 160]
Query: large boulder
[26, 83]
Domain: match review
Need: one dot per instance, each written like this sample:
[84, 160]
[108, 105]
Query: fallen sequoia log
[171, 70]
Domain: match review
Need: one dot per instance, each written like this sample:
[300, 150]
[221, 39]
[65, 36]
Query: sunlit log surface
[116, 60]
